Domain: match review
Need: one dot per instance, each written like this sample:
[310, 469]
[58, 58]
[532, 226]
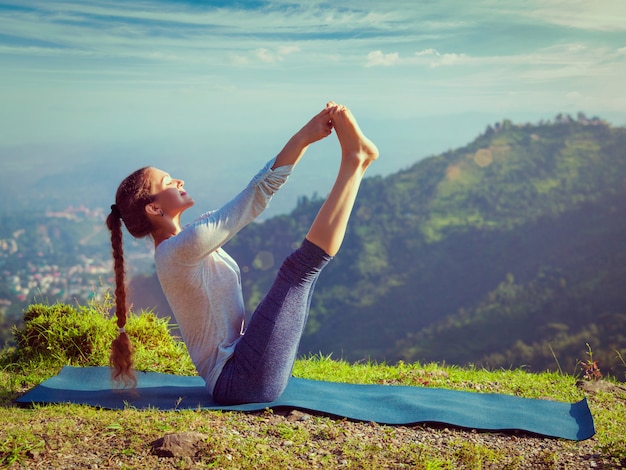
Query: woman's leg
[262, 361]
[357, 152]
[264, 357]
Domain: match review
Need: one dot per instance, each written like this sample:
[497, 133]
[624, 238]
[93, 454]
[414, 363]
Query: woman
[202, 283]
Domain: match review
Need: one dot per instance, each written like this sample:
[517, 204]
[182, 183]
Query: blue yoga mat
[385, 404]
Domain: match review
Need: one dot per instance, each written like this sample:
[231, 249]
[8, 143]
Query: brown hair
[131, 198]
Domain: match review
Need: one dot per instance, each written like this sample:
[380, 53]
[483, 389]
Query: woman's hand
[316, 129]
[319, 127]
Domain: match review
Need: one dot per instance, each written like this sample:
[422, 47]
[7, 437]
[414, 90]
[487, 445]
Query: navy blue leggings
[263, 359]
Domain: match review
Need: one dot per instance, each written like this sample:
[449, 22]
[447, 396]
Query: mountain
[508, 251]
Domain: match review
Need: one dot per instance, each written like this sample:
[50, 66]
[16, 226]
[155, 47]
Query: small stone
[186, 444]
[296, 415]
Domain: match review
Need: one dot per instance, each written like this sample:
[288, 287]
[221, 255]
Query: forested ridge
[507, 252]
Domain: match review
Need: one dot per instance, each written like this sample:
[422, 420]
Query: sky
[213, 89]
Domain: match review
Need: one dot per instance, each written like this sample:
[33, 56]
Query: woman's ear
[153, 209]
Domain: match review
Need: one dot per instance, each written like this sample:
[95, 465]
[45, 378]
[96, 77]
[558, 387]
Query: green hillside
[506, 252]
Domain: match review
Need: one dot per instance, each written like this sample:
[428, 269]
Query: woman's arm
[213, 230]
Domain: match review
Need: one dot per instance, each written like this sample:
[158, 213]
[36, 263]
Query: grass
[68, 435]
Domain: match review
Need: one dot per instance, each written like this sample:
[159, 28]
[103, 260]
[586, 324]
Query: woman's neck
[168, 229]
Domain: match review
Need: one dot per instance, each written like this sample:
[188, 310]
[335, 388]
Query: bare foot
[354, 144]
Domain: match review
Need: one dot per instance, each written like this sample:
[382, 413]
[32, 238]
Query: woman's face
[168, 192]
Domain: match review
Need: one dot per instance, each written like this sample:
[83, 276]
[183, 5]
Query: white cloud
[435, 59]
[450, 59]
[268, 56]
[596, 15]
[265, 56]
[427, 52]
[378, 58]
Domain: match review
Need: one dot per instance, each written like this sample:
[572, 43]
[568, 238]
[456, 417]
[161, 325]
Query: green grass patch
[77, 436]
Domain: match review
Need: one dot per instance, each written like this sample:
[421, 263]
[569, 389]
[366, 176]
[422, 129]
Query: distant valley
[506, 252]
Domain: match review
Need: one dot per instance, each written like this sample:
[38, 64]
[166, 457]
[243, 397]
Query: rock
[295, 415]
[593, 387]
[184, 444]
